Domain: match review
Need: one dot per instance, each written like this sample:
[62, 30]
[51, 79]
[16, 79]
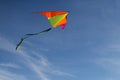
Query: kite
[56, 18]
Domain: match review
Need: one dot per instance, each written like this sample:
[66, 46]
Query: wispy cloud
[61, 73]
[111, 64]
[37, 63]
[109, 59]
[35, 66]
[6, 75]
[48, 67]
[10, 65]
[29, 61]
[41, 66]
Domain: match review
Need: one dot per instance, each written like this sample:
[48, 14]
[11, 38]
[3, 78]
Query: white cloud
[110, 64]
[35, 66]
[6, 75]
[109, 59]
[10, 65]
[61, 73]
[8, 46]
[44, 61]
[40, 65]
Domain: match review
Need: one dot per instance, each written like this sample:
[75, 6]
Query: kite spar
[56, 18]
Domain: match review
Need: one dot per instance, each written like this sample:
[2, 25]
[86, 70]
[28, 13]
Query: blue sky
[88, 48]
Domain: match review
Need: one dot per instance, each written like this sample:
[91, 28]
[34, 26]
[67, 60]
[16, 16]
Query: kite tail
[29, 35]
[20, 43]
[39, 32]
